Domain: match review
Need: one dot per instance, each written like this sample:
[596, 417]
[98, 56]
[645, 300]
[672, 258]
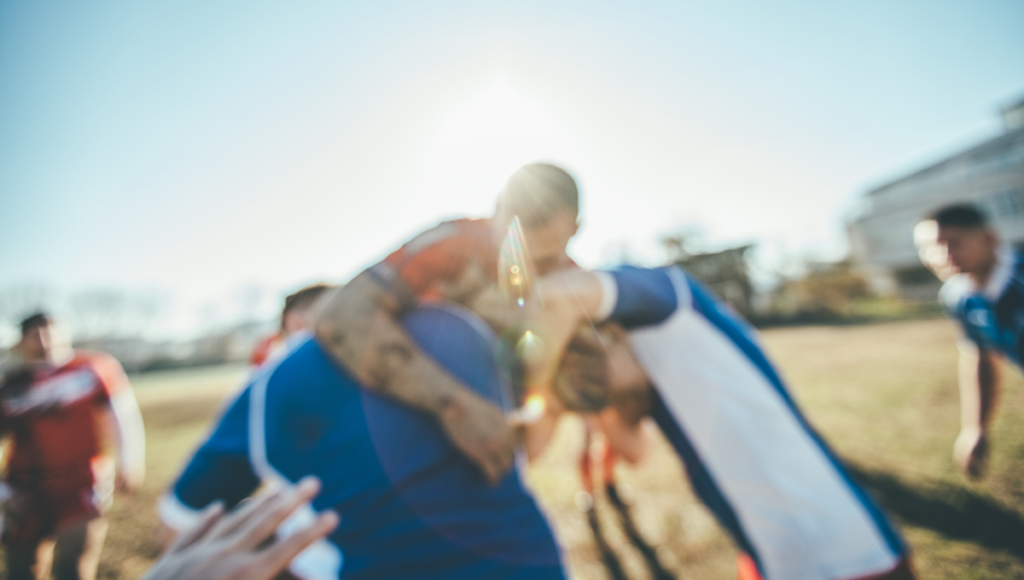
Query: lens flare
[530, 348]
[514, 268]
[531, 411]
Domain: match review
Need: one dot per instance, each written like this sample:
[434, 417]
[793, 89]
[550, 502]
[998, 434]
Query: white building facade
[989, 175]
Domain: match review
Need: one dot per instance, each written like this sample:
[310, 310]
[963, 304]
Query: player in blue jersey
[410, 504]
[984, 292]
[751, 455]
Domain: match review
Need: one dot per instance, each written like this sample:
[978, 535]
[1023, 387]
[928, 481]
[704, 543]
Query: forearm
[358, 325]
[495, 308]
[129, 433]
[979, 390]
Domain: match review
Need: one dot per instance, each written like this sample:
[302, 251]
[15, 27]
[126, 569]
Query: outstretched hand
[233, 546]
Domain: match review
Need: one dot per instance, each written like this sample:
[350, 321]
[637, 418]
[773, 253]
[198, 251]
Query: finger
[263, 526]
[279, 555]
[243, 512]
[207, 519]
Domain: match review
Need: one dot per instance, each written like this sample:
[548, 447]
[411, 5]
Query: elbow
[347, 307]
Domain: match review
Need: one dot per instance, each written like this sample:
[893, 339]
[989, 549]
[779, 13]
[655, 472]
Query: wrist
[449, 401]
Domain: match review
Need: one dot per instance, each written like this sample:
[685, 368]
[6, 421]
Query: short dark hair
[960, 215]
[34, 321]
[304, 298]
[537, 190]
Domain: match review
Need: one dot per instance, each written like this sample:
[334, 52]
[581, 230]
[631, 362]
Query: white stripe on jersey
[61, 390]
[321, 560]
[796, 509]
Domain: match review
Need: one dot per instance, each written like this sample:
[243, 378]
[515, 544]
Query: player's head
[294, 317]
[600, 369]
[545, 198]
[43, 339]
[956, 239]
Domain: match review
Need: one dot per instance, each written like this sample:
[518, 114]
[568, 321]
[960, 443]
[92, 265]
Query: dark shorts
[40, 507]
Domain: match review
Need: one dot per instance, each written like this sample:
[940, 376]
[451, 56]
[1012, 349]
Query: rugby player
[56, 409]
[455, 261]
[294, 319]
[410, 504]
[984, 291]
[750, 454]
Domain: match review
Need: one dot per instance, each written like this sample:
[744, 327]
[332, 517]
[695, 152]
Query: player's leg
[28, 523]
[78, 549]
[32, 562]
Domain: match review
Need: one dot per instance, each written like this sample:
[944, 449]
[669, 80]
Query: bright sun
[483, 138]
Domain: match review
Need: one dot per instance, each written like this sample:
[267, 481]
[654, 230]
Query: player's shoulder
[93, 358]
[107, 368]
[455, 229]
[646, 296]
[1017, 269]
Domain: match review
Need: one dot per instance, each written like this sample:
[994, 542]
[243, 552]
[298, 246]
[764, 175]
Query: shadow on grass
[952, 511]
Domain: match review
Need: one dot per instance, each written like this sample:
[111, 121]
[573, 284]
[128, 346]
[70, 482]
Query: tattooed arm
[358, 324]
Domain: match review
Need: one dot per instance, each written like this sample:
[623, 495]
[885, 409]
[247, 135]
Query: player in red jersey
[57, 407]
[294, 319]
[456, 261]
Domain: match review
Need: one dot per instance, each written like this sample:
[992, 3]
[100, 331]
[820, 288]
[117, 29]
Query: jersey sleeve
[220, 470]
[112, 378]
[439, 257]
[642, 296]
[954, 297]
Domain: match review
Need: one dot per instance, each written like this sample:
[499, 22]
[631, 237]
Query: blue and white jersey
[991, 318]
[750, 454]
[411, 505]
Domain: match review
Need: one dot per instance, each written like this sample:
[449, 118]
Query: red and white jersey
[50, 415]
[447, 261]
[266, 348]
[451, 261]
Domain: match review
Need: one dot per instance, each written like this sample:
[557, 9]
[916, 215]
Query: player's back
[752, 456]
[411, 505]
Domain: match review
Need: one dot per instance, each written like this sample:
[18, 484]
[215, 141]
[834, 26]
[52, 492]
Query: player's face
[547, 242]
[37, 343]
[295, 320]
[49, 343]
[952, 250]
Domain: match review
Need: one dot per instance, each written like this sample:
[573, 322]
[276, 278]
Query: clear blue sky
[199, 147]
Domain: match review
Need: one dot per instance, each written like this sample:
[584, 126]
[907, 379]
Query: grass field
[884, 395]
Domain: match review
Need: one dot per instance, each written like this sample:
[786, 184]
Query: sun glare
[483, 138]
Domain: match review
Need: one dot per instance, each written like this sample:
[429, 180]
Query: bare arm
[979, 395]
[358, 324]
[122, 422]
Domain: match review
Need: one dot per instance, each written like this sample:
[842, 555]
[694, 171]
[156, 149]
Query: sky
[219, 154]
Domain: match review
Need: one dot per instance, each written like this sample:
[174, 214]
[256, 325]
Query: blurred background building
[727, 273]
[990, 174]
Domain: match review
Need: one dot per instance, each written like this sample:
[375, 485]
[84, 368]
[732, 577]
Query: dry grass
[884, 395]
